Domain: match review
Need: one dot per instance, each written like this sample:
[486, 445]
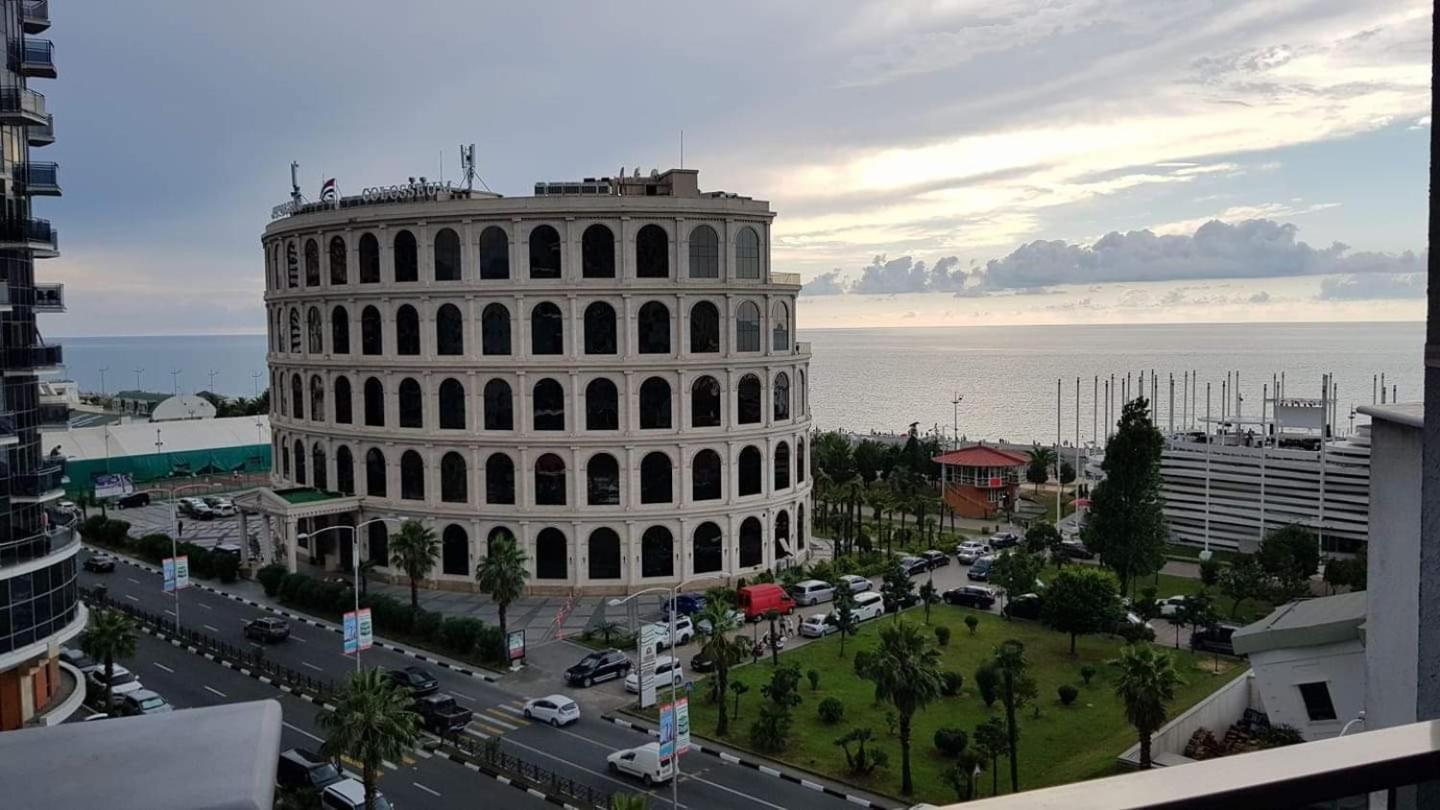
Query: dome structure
[183, 406]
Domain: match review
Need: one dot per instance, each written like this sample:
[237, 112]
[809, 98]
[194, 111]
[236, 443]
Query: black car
[441, 715]
[934, 559]
[417, 680]
[133, 499]
[699, 663]
[266, 628]
[100, 564]
[1215, 639]
[1075, 549]
[980, 570]
[598, 666]
[300, 769]
[1004, 540]
[1024, 606]
[908, 600]
[914, 565]
[972, 596]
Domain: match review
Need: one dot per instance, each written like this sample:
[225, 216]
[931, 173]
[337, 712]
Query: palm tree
[1146, 683]
[630, 801]
[372, 722]
[366, 566]
[111, 635]
[906, 671]
[413, 550]
[503, 574]
[722, 651]
[1010, 663]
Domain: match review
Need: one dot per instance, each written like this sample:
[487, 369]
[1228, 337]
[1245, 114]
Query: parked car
[1130, 622]
[598, 666]
[817, 625]
[980, 570]
[910, 599]
[856, 583]
[441, 715]
[812, 592]
[122, 681]
[687, 603]
[557, 710]
[349, 794]
[99, 563]
[667, 669]
[1024, 606]
[736, 618]
[934, 559]
[222, 507]
[132, 500]
[643, 762]
[1215, 639]
[699, 663]
[417, 680]
[78, 659]
[143, 701]
[1170, 606]
[757, 600]
[972, 596]
[1004, 540]
[684, 631]
[969, 551]
[914, 565]
[869, 605]
[299, 769]
[227, 548]
[267, 628]
[196, 508]
[1076, 550]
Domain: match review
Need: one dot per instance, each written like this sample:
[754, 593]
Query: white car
[122, 681]
[869, 605]
[557, 710]
[1170, 605]
[736, 619]
[817, 626]
[969, 551]
[222, 507]
[349, 794]
[856, 583]
[644, 762]
[666, 669]
[684, 631]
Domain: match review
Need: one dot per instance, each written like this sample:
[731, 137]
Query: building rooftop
[307, 495]
[1405, 413]
[143, 396]
[138, 438]
[1307, 623]
[981, 456]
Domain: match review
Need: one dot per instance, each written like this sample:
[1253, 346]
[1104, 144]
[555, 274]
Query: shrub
[270, 578]
[490, 644]
[1086, 673]
[1133, 633]
[91, 528]
[227, 567]
[972, 623]
[1067, 694]
[426, 624]
[814, 677]
[114, 532]
[459, 633]
[831, 710]
[950, 683]
[1278, 735]
[153, 547]
[942, 635]
[861, 663]
[987, 681]
[950, 741]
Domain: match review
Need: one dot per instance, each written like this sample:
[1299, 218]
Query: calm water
[883, 379]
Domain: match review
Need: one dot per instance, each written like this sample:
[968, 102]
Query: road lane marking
[297, 638]
[463, 696]
[492, 716]
[511, 709]
[131, 598]
[211, 628]
[171, 612]
[730, 790]
[134, 580]
[299, 730]
[216, 691]
[607, 777]
[312, 666]
[162, 666]
[490, 731]
[203, 605]
[434, 793]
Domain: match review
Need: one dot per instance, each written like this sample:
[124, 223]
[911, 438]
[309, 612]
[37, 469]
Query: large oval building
[607, 370]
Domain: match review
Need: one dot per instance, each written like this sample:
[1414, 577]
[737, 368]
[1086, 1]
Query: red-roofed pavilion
[980, 482]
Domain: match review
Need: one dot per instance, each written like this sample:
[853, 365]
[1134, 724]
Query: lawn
[1064, 744]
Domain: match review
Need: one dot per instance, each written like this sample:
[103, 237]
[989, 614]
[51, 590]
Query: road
[578, 752]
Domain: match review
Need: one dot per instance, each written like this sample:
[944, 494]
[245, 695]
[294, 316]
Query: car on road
[812, 592]
[687, 603]
[299, 769]
[349, 794]
[644, 762]
[856, 583]
[602, 665]
[1214, 639]
[132, 500]
[99, 563]
[1076, 550]
[1170, 606]
[417, 680]
[1024, 606]
[667, 670]
[557, 710]
[441, 715]
[1004, 540]
[980, 570]
[736, 618]
[914, 565]
[969, 551]
[267, 628]
[817, 625]
[971, 596]
[934, 559]
[222, 507]
[910, 599]
[122, 681]
[758, 600]
[869, 605]
[684, 631]
[143, 701]
[78, 659]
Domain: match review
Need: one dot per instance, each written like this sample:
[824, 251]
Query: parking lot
[157, 517]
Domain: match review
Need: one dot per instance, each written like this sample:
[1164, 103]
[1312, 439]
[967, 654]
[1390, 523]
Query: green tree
[992, 741]
[413, 550]
[739, 688]
[1146, 605]
[863, 760]
[1037, 474]
[1011, 665]
[111, 635]
[1081, 600]
[372, 722]
[868, 456]
[987, 682]
[1197, 611]
[629, 801]
[1041, 537]
[896, 587]
[1210, 572]
[961, 777]
[929, 595]
[1244, 579]
[503, 574]
[832, 454]
[843, 616]
[771, 732]
[1146, 683]
[1126, 525]
[1291, 555]
[721, 650]
[906, 671]
[1067, 473]
[1015, 571]
[1343, 573]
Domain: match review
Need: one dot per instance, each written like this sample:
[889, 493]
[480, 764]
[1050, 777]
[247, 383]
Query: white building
[605, 370]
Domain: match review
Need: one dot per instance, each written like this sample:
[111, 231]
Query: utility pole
[213, 372]
[255, 382]
[956, 400]
[138, 372]
[175, 380]
[102, 379]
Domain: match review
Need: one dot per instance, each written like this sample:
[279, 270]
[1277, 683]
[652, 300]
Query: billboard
[648, 637]
[667, 730]
[516, 645]
[177, 573]
[113, 485]
[682, 725]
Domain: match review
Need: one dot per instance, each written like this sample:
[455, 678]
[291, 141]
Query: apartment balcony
[56, 540]
[30, 359]
[35, 16]
[22, 107]
[34, 235]
[41, 134]
[40, 179]
[9, 429]
[49, 297]
[52, 415]
[43, 484]
[37, 58]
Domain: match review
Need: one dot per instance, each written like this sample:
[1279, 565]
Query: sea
[882, 380]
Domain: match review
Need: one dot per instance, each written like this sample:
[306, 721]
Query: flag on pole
[328, 193]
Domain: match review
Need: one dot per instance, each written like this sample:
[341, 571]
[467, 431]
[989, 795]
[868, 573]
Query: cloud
[1261, 297]
[827, 283]
[1367, 287]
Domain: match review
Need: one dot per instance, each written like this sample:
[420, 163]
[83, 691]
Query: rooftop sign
[330, 199]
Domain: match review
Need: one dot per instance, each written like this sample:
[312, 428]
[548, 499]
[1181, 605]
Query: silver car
[856, 583]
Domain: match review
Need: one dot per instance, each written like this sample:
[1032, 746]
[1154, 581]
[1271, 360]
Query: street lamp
[355, 563]
[174, 493]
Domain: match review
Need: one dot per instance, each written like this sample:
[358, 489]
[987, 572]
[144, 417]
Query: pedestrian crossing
[498, 720]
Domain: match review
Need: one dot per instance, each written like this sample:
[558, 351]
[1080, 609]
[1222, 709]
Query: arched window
[704, 252]
[704, 328]
[495, 254]
[799, 461]
[655, 404]
[295, 331]
[708, 550]
[317, 398]
[656, 479]
[544, 253]
[782, 396]
[747, 404]
[447, 255]
[495, 534]
[751, 471]
[312, 263]
[747, 327]
[547, 329]
[602, 405]
[657, 552]
[801, 409]
[319, 476]
[344, 413]
[340, 330]
[452, 404]
[454, 479]
[550, 480]
[782, 466]
[706, 475]
[412, 476]
[299, 462]
[455, 551]
[780, 328]
[499, 479]
[499, 406]
[782, 534]
[600, 329]
[369, 259]
[653, 328]
[752, 543]
[284, 459]
[371, 332]
[379, 545]
[412, 406]
[292, 264]
[602, 475]
[407, 331]
[407, 257]
[551, 555]
[652, 252]
[800, 526]
[705, 403]
[315, 331]
[344, 471]
[374, 403]
[297, 397]
[597, 252]
[449, 330]
[339, 255]
[747, 253]
[604, 554]
[495, 329]
[549, 405]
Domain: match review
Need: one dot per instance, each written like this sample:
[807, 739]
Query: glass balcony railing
[49, 298]
[40, 178]
[52, 414]
[36, 357]
[39, 544]
[37, 484]
[9, 426]
[32, 234]
[41, 134]
[37, 58]
[785, 278]
[21, 106]
[35, 16]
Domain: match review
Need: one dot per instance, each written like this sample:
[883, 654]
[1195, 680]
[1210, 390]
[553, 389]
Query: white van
[812, 592]
[644, 762]
[869, 605]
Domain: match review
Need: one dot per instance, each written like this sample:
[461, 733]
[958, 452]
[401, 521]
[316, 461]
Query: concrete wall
[1278, 674]
[1392, 617]
[1222, 709]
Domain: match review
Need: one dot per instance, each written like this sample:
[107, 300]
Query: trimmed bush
[226, 566]
[831, 710]
[1133, 633]
[270, 578]
[950, 683]
[427, 623]
[972, 623]
[950, 741]
[1067, 694]
[942, 635]
[1086, 673]
[814, 677]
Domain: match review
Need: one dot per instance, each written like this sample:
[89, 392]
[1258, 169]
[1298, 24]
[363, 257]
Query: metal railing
[51, 414]
[35, 15]
[26, 230]
[36, 483]
[50, 297]
[38, 545]
[37, 53]
[22, 357]
[488, 753]
[21, 100]
[43, 173]
[785, 278]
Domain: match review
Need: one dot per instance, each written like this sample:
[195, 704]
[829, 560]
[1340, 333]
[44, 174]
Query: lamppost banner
[366, 629]
[682, 725]
[352, 632]
[667, 730]
[516, 645]
[176, 573]
[648, 635]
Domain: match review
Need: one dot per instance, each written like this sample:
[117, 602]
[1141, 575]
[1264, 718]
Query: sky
[931, 162]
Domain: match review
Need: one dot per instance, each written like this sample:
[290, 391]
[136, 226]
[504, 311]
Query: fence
[487, 753]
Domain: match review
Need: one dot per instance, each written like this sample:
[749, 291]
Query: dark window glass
[369, 259]
[495, 329]
[494, 254]
[782, 465]
[454, 480]
[780, 329]
[597, 252]
[653, 328]
[547, 329]
[299, 462]
[412, 476]
[705, 403]
[747, 254]
[499, 479]
[799, 461]
[317, 398]
[782, 535]
[600, 329]
[656, 479]
[379, 544]
[340, 330]
[375, 472]
[657, 552]
[344, 414]
[344, 470]
[295, 331]
[652, 252]
[499, 406]
[747, 402]
[549, 405]
[747, 327]
[314, 331]
[604, 554]
[655, 404]
[452, 405]
[1318, 705]
[312, 263]
[549, 481]
[297, 397]
[706, 476]
[407, 257]
[339, 255]
[455, 551]
[407, 331]
[782, 396]
[708, 548]
[412, 409]
[750, 472]
[704, 328]
[371, 332]
[704, 252]
[374, 403]
[551, 555]
[602, 405]
[447, 255]
[449, 330]
[544, 253]
[603, 480]
[752, 539]
[319, 476]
